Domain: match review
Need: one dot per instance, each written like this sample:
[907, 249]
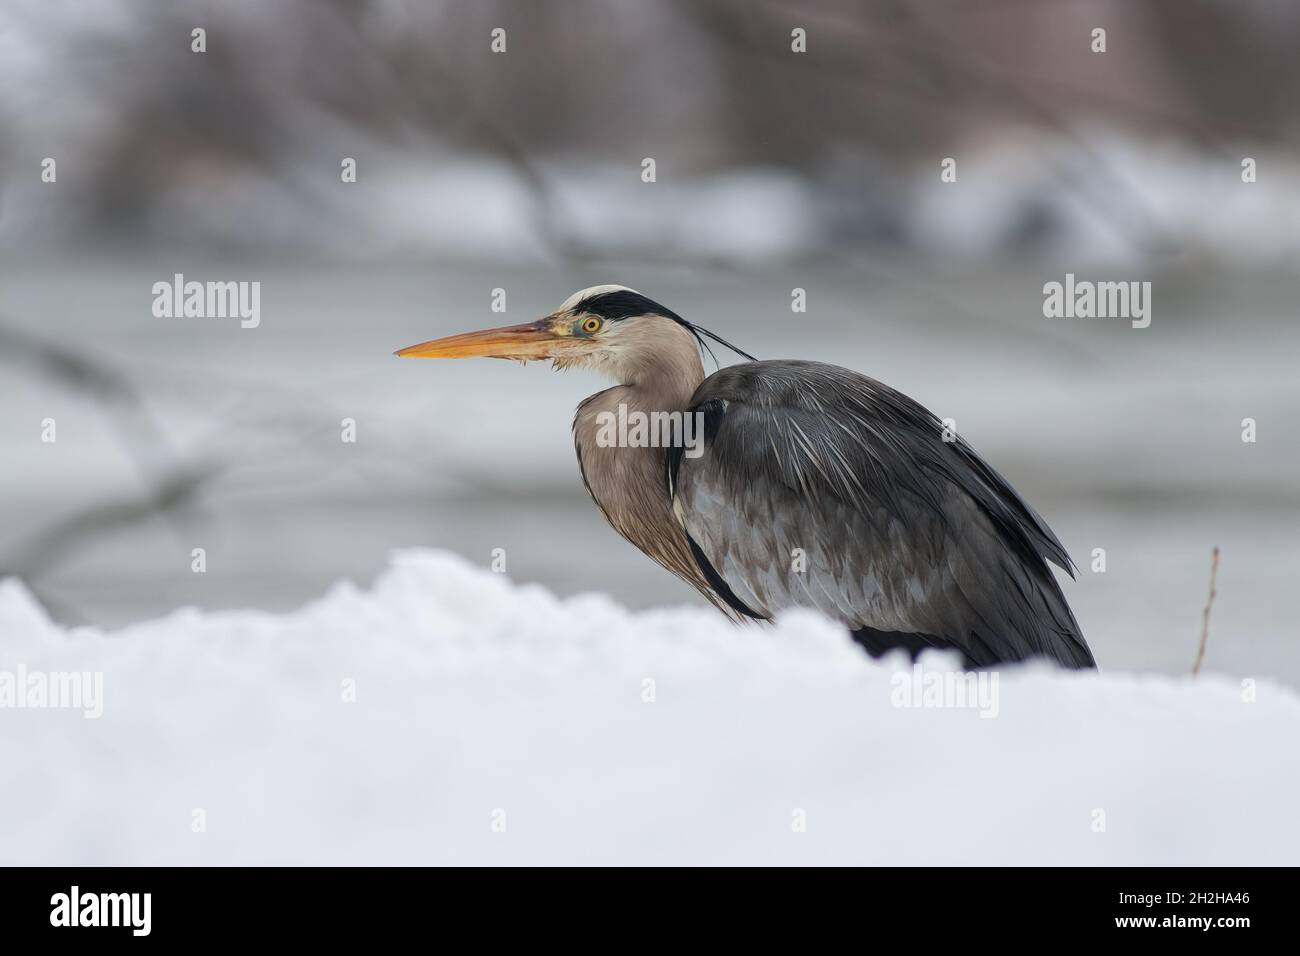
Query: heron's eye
[591, 325]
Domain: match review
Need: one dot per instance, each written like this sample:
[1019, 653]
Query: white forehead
[577, 297]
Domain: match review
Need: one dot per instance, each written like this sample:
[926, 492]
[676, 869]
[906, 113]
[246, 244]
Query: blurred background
[522, 171]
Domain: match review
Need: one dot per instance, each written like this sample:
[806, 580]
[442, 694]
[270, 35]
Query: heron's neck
[652, 390]
[661, 390]
[620, 446]
[627, 476]
[658, 364]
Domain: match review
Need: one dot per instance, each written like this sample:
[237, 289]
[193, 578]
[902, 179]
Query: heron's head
[610, 328]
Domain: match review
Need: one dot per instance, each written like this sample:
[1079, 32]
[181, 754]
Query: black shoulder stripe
[713, 412]
[721, 587]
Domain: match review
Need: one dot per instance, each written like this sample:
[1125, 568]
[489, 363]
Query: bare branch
[1205, 616]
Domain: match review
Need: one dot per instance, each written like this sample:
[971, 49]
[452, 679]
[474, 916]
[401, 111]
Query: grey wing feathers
[823, 488]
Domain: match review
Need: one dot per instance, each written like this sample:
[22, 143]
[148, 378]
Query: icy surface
[494, 724]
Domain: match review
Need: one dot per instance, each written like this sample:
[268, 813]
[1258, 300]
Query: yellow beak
[532, 340]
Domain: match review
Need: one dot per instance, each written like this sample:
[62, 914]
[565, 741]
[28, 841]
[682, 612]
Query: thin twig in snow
[1205, 616]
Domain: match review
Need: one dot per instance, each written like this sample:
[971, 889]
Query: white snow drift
[449, 717]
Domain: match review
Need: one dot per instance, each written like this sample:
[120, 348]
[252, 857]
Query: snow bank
[495, 724]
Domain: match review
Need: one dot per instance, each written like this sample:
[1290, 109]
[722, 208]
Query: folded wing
[819, 487]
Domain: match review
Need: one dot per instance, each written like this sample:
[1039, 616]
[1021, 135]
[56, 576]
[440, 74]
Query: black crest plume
[624, 303]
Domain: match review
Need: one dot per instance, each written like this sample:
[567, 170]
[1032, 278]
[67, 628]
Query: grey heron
[813, 486]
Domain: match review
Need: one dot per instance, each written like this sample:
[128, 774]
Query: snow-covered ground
[446, 716]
